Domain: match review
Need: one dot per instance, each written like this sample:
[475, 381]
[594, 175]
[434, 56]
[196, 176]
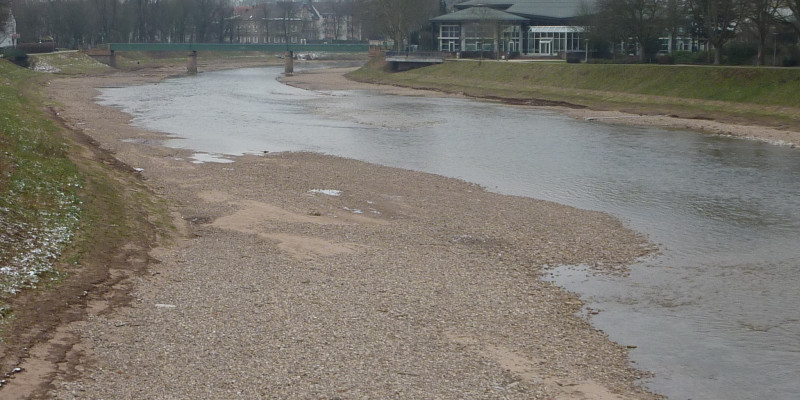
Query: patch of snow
[329, 192]
[45, 67]
[200, 158]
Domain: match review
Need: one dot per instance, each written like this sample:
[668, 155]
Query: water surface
[714, 316]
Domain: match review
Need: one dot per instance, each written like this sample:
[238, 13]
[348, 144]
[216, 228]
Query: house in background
[293, 22]
[8, 33]
[337, 21]
[543, 28]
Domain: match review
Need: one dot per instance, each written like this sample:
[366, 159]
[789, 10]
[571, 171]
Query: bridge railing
[270, 48]
[416, 54]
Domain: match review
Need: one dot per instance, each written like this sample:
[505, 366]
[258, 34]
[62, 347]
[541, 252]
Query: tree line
[755, 23]
[87, 23]
[78, 23]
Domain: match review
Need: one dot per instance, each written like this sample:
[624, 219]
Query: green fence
[270, 48]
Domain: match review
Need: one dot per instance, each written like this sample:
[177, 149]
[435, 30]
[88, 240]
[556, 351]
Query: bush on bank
[16, 56]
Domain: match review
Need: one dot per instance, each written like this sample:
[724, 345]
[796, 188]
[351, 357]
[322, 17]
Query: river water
[716, 315]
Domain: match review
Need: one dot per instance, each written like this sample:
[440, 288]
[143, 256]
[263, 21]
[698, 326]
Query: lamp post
[775, 49]
[586, 44]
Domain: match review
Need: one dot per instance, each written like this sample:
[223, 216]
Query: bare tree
[677, 20]
[641, 20]
[289, 10]
[4, 11]
[603, 30]
[105, 16]
[718, 21]
[339, 12]
[397, 18]
[266, 17]
[761, 16]
[487, 27]
[793, 20]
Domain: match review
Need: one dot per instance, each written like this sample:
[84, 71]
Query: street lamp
[775, 49]
[586, 44]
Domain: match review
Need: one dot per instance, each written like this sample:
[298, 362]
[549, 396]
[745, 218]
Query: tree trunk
[642, 52]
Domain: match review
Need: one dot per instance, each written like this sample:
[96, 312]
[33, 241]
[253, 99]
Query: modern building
[543, 28]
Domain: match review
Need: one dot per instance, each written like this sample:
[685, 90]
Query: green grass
[38, 188]
[746, 92]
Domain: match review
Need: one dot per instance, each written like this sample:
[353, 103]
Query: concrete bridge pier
[112, 59]
[289, 66]
[191, 63]
[107, 57]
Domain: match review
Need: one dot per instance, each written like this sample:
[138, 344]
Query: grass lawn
[763, 95]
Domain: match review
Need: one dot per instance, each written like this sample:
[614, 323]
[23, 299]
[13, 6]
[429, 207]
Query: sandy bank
[334, 79]
[406, 285]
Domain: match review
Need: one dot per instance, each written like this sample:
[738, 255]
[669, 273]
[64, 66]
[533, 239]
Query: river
[715, 315]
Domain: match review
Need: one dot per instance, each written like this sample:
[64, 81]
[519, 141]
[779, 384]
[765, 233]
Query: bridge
[402, 61]
[109, 56]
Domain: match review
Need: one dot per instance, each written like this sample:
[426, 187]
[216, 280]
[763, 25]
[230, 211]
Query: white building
[543, 28]
[8, 33]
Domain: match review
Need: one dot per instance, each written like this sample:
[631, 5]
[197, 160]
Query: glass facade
[512, 39]
[450, 38]
[553, 40]
[479, 37]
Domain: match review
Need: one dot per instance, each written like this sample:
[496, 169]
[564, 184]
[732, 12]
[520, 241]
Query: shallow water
[714, 316]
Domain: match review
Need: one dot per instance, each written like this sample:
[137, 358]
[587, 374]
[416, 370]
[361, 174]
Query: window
[560, 39]
[449, 45]
[450, 32]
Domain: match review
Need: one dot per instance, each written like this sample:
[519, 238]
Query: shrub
[16, 56]
[688, 57]
[791, 57]
[683, 57]
[575, 57]
[739, 53]
[666, 59]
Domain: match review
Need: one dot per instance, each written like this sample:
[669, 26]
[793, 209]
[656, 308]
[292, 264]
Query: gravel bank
[399, 285]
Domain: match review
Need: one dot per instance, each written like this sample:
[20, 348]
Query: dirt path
[307, 276]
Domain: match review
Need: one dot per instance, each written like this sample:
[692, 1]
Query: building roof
[273, 11]
[531, 8]
[479, 14]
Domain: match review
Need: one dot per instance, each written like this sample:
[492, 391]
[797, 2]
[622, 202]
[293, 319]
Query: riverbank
[276, 287]
[603, 102]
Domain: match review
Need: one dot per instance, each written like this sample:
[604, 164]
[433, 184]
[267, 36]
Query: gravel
[272, 290]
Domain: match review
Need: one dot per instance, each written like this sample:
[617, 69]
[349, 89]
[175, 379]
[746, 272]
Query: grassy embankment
[761, 95]
[67, 209]
[38, 187]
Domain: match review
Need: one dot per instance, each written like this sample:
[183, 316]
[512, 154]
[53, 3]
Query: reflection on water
[715, 316]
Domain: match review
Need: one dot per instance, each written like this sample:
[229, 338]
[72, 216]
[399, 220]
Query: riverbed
[708, 315]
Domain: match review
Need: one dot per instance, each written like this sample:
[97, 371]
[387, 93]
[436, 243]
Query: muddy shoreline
[270, 288]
